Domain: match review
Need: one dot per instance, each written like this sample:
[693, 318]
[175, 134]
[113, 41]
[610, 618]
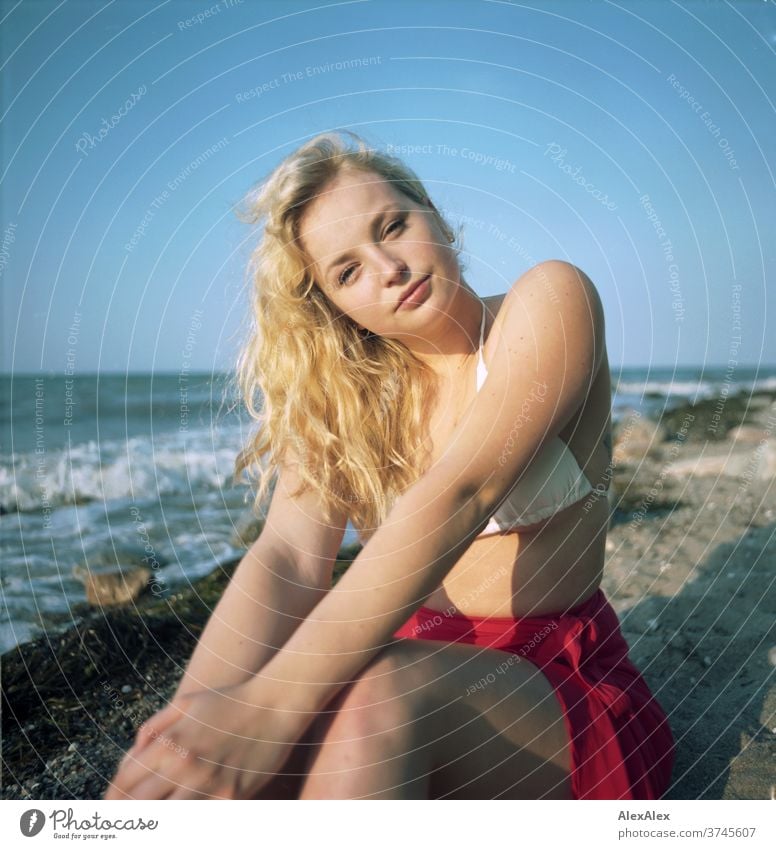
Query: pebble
[73, 747]
[707, 661]
[772, 655]
[126, 689]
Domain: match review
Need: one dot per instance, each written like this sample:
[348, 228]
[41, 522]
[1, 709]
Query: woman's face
[370, 245]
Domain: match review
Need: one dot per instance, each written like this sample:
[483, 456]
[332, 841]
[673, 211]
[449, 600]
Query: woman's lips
[416, 295]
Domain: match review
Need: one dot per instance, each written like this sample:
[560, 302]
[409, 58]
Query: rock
[635, 438]
[772, 655]
[709, 419]
[762, 515]
[740, 461]
[642, 489]
[127, 555]
[748, 433]
[111, 586]
[643, 430]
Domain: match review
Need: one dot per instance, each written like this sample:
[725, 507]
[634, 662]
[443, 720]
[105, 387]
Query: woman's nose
[389, 268]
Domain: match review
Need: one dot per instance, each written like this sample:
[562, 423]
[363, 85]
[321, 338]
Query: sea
[98, 470]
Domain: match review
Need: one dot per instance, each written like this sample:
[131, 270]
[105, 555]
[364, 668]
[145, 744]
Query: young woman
[467, 651]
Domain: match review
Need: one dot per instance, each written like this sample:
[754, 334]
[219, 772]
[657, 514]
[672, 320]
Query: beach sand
[691, 571]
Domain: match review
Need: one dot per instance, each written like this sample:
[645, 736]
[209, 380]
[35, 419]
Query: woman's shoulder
[539, 287]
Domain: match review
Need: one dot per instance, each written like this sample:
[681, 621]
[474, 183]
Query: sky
[634, 139]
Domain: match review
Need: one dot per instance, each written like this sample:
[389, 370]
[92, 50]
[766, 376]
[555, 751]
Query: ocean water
[98, 469]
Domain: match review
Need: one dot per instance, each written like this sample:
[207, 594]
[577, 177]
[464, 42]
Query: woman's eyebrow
[393, 207]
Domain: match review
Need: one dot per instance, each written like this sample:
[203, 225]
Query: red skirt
[621, 744]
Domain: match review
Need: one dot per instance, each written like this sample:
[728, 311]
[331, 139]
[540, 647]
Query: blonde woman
[468, 651]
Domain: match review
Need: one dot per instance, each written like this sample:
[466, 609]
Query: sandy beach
[691, 567]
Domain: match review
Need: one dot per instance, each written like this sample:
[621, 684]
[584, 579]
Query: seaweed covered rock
[112, 586]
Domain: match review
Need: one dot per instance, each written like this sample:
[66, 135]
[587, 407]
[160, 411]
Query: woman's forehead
[358, 189]
[348, 201]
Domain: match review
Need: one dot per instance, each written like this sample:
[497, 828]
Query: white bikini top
[552, 481]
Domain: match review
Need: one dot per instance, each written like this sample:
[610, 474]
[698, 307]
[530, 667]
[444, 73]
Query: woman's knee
[380, 699]
[287, 783]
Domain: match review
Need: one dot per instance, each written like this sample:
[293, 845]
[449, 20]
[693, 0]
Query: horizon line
[198, 372]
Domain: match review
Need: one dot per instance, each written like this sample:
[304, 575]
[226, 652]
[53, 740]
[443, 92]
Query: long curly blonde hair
[345, 405]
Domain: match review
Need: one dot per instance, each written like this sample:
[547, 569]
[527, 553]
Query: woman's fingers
[154, 787]
[185, 792]
[115, 794]
[126, 779]
[156, 724]
[195, 782]
[199, 748]
[155, 761]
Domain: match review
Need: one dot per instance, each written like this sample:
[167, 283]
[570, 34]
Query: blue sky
[633, 139]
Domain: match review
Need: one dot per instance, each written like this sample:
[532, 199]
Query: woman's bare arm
[283, 576]
[549, 351]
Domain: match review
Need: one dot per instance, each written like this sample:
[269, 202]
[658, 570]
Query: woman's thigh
[488, 720]
[491, 720]
[288, 782]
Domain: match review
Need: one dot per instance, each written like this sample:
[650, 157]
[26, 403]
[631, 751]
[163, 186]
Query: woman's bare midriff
[552, 566]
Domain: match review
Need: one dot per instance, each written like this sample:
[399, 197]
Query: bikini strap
[482, 371]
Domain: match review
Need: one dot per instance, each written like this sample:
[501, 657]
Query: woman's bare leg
[288, 783]
[413, 726]
[367, 749]
[383, 750]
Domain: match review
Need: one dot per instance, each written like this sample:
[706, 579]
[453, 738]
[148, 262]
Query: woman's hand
[217, 744]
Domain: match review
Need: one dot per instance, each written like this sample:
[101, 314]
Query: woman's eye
[345, 274]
